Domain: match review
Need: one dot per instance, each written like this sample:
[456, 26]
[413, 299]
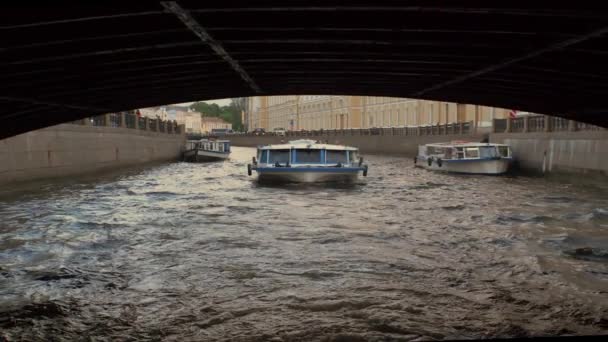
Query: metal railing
[152, 125]
[443, 129]
[99, 120]
[130, 120]
[115, 120]
[517, 125]
[141, 123]
[540, 123]
[536, 123]
[581, 126]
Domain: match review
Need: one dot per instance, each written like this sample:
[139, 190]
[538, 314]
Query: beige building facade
[210, 123]
[191, 121]
[313, 112]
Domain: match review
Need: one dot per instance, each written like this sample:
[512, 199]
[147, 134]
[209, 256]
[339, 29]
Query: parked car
[259, 131]
[279, 131]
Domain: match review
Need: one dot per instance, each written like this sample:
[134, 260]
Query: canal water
[202, 252]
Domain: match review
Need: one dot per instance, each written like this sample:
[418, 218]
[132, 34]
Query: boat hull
[207, 156]
[471, 166]
[303, 175]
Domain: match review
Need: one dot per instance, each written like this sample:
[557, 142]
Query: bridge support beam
[185, 16]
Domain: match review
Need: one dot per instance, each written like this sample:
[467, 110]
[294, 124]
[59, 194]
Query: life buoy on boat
[249, 169]
[439, 162]
[429, 161]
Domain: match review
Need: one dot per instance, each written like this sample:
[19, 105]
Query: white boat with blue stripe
[207, 150]
[465, 157]
[307, 161]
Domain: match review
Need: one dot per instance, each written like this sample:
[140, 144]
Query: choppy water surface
[201, 252]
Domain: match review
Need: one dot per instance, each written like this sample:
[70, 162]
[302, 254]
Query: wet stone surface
[184, 252]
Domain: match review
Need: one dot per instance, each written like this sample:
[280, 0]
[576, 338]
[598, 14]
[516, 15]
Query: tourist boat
[465, 157]
[307, 161]
[208, 150]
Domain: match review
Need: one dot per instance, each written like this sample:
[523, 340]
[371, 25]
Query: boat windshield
[308, 156]
[352, 156]
[488, 152]
[263, 156]
[279, 156]
[333, 156]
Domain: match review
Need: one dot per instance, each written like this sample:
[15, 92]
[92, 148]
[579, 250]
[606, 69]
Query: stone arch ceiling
[61, 63]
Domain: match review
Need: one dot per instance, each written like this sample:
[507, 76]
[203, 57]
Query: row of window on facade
[386, 118]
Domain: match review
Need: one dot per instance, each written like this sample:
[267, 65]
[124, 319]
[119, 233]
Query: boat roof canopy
[210, 140]
[305, 144]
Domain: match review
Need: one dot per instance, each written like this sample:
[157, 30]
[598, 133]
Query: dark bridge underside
[64, 63]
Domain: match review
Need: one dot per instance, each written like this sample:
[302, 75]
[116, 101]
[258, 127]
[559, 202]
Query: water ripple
[190, 252]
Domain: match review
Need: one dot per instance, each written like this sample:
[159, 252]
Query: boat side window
[488, 152]
[503, 151]
[279, 156]
[308, 156]
[460, 152]
[472, 152]
[264, 156]
[448, 153]
[335, 156]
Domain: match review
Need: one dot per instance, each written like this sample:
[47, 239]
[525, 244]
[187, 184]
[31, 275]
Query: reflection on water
[201, 252]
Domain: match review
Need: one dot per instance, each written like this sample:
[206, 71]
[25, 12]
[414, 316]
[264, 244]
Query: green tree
[206, 109]
[230, 113]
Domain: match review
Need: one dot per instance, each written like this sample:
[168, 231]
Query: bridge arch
[63, 63]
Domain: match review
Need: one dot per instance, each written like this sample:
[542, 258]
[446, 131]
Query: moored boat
[465, 157]
[307, 161]
[208, 150]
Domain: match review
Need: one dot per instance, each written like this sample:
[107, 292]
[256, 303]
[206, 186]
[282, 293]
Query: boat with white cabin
[207, 150]
[307, 161]
[465, 157]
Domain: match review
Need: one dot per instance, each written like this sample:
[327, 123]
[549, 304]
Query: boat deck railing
[131, 121]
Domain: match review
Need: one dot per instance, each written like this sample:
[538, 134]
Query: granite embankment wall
[579, 152]
[70, 149]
